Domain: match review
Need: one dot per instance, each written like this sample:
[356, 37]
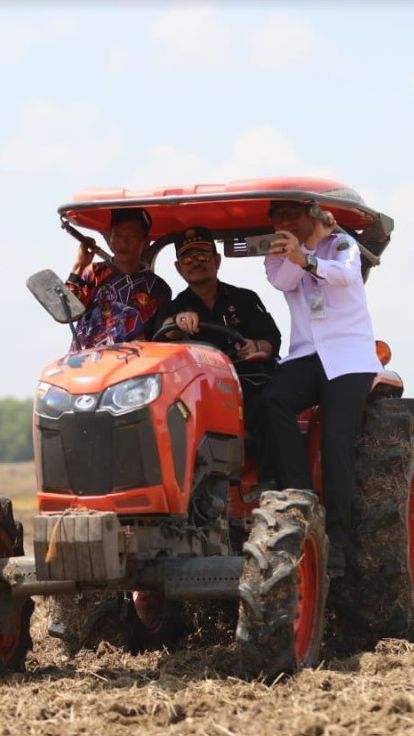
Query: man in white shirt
[331, 362]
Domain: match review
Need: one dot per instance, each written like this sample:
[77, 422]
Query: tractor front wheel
[283, 586]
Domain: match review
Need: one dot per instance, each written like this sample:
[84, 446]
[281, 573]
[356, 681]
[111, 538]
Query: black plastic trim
[94, 453]
[220, 455]
[177, 427]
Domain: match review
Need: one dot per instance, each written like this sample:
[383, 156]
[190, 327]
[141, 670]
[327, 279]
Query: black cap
[275, 203]
[125, 214]
[197, 238]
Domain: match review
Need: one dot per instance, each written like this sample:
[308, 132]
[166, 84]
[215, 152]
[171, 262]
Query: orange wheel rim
[309, 582]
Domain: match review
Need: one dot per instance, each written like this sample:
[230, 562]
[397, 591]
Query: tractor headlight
[51, 401]
[130, 395]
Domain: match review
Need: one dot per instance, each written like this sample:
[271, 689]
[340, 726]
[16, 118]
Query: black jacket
[240, 309]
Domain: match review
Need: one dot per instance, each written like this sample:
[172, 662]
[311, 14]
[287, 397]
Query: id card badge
[317, 305]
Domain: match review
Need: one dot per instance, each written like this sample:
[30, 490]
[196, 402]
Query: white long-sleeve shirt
[340, 332]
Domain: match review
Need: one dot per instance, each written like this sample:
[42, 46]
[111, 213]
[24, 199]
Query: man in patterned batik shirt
[121, 298]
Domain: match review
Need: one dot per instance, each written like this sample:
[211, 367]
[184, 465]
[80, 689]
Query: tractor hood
[91, 371]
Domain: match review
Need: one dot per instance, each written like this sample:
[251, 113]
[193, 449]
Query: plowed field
[193, 690]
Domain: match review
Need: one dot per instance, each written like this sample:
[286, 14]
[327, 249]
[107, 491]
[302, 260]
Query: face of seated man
[127, 242]
[198, 265]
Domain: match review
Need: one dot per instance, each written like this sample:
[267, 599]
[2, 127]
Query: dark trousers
[257, 438]
[297, 385]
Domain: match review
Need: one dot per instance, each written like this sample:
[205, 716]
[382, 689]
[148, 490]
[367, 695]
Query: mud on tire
[15, 640]
[83, 620]
[283, 586]
[375, 598]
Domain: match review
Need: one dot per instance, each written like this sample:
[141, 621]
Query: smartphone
[259, 245]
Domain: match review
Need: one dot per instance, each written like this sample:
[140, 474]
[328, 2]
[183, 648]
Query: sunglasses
[186, 259]
[290, 212]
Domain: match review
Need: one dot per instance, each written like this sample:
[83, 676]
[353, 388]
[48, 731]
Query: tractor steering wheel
[232, 335]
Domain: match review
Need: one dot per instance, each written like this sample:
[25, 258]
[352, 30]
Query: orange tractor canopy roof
[238, 205]
[231, 211]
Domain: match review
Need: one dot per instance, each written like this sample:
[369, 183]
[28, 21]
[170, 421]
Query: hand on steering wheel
[242, 349]
[233, 336]
[188, 322]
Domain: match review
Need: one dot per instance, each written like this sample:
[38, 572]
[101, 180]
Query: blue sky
[136, 95]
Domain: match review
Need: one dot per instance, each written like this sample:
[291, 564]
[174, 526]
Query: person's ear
[217, 259]
[316, 213]
[178, 267]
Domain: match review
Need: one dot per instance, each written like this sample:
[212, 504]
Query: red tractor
[145, 483]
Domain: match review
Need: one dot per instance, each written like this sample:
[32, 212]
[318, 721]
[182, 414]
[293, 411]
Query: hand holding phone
[261, 245]
[279, 243]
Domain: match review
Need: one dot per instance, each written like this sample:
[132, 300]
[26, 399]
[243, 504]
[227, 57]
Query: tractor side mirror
[55, 296]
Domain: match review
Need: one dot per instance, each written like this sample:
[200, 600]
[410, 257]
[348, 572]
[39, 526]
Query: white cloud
[60, 24]
[202, 34]
[257, 152]
[119, 59]
[18, 38]
[58, 137]
[264, 151]
[168, 165]
[192, 32]
[260, 151]
[283, 41]
[15, 42]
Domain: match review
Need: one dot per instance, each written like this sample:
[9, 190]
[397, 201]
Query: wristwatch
[311, 262]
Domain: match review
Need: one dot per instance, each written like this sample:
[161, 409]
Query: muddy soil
[193, 690]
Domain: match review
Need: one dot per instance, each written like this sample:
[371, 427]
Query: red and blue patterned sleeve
[85, 287]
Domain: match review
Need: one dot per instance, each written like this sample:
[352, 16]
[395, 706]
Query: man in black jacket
[209, 300]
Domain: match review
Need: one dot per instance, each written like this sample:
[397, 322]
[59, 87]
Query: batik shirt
[119, 307]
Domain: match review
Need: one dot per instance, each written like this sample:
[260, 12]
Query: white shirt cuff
[306, 251]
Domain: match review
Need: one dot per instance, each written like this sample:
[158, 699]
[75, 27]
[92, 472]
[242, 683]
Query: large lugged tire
[14, 644]
[283, 586]
[83, 620]
[375, 598]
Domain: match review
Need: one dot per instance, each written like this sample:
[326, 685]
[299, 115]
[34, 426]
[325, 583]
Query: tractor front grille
[93, 453]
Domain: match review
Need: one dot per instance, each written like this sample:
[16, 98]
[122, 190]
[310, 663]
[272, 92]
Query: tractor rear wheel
[283, 586]
[375, 598]
[15, 640]
[83, 620]
[134, 622]
[158, 622]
